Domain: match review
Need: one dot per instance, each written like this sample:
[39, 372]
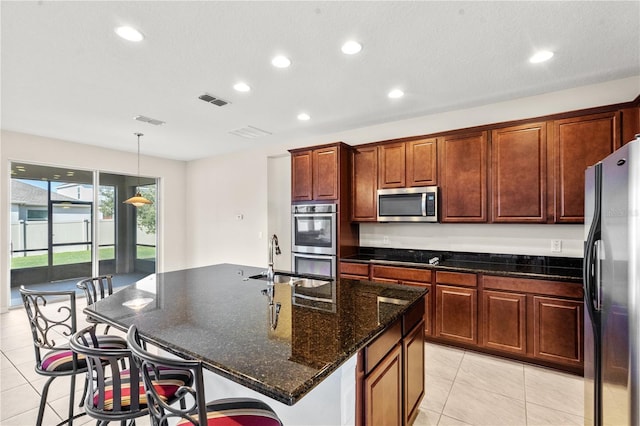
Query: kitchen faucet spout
[273, 245]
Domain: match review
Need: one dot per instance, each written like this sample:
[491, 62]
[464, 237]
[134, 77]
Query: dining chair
[193, 408]
[116, 392]
[52, 319]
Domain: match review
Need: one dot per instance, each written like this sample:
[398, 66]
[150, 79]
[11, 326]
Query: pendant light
[138, 200]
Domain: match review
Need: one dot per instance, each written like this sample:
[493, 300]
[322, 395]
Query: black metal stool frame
[50, 333]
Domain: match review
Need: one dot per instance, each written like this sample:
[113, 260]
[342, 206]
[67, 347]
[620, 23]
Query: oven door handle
[297, 215]
[314, 256]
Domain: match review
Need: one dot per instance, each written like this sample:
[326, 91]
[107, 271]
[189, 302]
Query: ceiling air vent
[213, 100]
[148, 120]
[250, 132]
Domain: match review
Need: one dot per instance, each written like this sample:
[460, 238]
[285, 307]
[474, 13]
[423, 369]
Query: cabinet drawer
[456, 278]
[359, 269]
[377, 350]
[400, 274]
[524, 285]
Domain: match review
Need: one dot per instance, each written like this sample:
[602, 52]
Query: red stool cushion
[62, 360]
[238, 412]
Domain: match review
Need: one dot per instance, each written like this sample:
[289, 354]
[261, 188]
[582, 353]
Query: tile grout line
[453, 383]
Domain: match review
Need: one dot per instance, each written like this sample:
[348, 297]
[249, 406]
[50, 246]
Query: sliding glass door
[63, 231]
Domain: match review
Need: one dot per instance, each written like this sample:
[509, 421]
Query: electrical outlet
[556, 246]
[385, 240]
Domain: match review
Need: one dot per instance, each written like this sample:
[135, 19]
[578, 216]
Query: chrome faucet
[273, 244]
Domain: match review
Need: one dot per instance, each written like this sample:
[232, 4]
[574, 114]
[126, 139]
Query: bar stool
[117, 393]
[221, 412]
[51, 325]
[96, 288]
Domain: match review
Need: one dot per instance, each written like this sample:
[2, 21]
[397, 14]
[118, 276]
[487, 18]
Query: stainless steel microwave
[418, 204]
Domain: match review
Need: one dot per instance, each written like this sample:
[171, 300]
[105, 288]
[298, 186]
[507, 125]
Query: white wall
[40, 150]
[486, 238]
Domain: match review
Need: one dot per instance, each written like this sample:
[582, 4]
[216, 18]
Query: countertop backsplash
[524, 239]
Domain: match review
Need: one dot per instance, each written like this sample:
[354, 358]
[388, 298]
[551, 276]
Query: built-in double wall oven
[313, 239]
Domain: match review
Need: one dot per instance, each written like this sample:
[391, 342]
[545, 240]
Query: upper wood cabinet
[630, 125]
[315, 173]
[408, 164]
[579, 143]
[463, 177]
[391, 165]
[422, 162]
[301, 176]
[364, 181]
[519, 173]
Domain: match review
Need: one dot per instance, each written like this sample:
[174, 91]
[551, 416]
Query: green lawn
[66, 258]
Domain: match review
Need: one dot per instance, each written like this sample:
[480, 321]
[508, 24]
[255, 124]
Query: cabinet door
[391, 165]
[558, 330]
[456, 314]
[413, 356]
[365, 185]
[422, 163]
[301, 176]
[463, 178]
[325, 173]
[519, 174]
[504, 321]
[579, 143]
[383, 391]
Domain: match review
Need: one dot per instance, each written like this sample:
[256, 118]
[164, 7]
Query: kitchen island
[264, 340]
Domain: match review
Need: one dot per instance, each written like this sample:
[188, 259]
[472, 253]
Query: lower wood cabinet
[504, 321]
[456, 314]
[558, 330]
[413, 358]
[383, 391]
[391, 370]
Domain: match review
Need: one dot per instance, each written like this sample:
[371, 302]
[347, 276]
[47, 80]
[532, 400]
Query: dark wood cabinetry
[421, 162]
[301, 176]
[463, 177]
[456, 307]
[557, 330]
[325, 173]
[579, 143]
[365, 185]
[519, 173]
[413, 359]
[391, 165]
[391, 370]
[317, 173]
[383, 391]
[504, 321]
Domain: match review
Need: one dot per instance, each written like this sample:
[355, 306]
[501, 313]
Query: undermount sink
[293, 280]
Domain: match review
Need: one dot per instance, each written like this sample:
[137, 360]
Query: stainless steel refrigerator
[612, 289]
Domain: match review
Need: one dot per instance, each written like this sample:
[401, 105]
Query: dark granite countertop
[217, 315]
[537, 267]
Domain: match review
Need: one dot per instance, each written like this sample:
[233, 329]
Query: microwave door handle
[424, 204]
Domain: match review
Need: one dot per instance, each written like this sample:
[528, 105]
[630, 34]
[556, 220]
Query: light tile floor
[468, 388]
[462, 387]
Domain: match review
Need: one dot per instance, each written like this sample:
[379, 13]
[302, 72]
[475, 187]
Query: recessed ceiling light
[241, 87]
[351, 47]
[395, 94]
[541, 56]
[303, 116]
[281, 61]
[129, 33]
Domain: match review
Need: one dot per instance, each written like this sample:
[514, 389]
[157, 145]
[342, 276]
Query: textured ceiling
[65, 74]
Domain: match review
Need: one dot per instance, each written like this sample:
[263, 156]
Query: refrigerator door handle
[597, 279]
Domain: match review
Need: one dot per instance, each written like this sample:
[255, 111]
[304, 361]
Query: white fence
[33, 235]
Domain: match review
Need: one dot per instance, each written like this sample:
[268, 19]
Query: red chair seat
[166, 385]
[238, 412]
[62, 360]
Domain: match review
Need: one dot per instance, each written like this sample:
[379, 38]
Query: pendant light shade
[138, 200]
